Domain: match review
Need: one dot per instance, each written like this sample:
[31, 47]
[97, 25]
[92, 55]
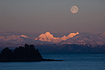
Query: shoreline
[26, 60]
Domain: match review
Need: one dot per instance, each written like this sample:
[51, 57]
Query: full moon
[74, 9]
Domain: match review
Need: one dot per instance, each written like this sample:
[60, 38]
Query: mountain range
[94, 39]
[48, 38]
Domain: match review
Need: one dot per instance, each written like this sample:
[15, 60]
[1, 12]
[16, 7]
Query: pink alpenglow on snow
[24, 36]
[50, 38]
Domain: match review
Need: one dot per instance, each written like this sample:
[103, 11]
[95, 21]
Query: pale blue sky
[52, 15]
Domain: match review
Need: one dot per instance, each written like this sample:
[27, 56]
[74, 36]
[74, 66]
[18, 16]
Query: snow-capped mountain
[13, 39]
[16, 40]
[94, 40]
[50, 38]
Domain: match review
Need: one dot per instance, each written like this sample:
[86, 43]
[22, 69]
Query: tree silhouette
[6, 53]
[28, 52]
[18, 53]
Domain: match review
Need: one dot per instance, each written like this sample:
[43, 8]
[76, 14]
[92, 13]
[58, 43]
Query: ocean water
[71, 62]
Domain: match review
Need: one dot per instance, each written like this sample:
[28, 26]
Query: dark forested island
[28, 53]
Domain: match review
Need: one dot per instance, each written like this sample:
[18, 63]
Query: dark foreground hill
[28, 53]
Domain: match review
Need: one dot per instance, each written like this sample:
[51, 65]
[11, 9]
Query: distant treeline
[28, 52]
[70, 48]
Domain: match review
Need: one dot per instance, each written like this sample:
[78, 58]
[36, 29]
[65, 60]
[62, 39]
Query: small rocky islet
[28, 53]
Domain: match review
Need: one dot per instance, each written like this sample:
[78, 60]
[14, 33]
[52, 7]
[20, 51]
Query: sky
[52, 15]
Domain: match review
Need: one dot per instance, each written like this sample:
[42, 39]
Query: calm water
[72, 62]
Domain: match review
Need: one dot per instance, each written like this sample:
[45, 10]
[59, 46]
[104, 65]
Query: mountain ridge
[50, 38]
[83, 39]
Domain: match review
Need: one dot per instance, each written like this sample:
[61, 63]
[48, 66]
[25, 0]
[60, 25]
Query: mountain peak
[24, 36]
[47, 33]
[72, 35]
[49, 37]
